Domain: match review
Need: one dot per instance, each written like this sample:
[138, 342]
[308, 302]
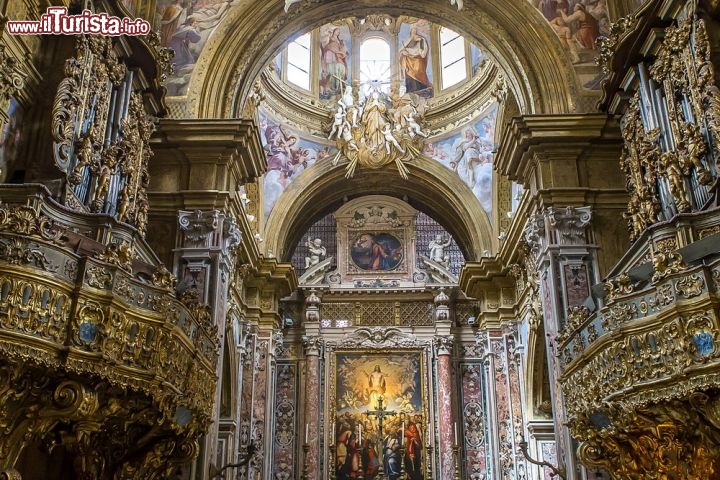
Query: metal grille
[426, 229]
[335, 312]
[370, 314]
[417, 313]
[326, 230]
[463, 311]
[377, 314]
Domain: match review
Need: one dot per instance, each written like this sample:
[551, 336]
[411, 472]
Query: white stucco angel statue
[390, 139]
[338, 123]
[414, 127]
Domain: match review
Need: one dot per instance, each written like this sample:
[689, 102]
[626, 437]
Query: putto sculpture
[317, 252]
[377, 129]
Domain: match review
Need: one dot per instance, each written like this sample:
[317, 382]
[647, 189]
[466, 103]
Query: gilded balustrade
[84, 306]
[641, 374]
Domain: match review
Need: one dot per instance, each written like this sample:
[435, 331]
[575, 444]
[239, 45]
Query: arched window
[452, 57]
[375, 66]
[298, 62]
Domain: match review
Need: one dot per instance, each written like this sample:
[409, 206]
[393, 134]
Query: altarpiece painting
[380, 427]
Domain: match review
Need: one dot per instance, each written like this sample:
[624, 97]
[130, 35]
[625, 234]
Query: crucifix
[380, 412]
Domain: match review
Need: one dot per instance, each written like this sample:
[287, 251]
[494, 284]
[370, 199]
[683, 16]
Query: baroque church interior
[330, 239]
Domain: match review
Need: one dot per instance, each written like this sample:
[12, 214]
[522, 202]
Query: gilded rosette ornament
[378, 130]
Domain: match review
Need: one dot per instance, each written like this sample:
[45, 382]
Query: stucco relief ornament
[379, 130]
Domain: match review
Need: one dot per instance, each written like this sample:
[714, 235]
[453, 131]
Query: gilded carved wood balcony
[641, 373]
[96, 347]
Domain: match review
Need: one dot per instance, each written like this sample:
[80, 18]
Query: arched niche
[513, 32]
[431, 188]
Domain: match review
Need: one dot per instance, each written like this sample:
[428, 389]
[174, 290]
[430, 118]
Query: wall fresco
[185, 26]
[288, 154]
[335, 60]
[469, 153]
[578, 24]
[415, 57]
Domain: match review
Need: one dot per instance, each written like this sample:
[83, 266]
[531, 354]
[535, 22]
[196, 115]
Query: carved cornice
[379, 338]
[233, 144]
[532, 139]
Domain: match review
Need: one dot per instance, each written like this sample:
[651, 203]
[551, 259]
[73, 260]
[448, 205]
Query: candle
[307, 432]
[360, 433]
[455, 428]
[333, 434]
[403, 432]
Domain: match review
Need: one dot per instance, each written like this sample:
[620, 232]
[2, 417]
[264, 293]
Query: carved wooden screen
[670, 129]
[101, 134]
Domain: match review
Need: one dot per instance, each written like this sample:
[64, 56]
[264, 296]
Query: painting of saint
[287, 154]
[415, 58]
[469, 153]
[334, 60]
[185, 26]
[364, 383]
[10, 140]
[578, 25]
[381, 252]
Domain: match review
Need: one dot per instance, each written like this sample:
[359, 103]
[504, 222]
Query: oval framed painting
[376, 252]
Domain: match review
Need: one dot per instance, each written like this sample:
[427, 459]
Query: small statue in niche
[437, 250]
[317, 252]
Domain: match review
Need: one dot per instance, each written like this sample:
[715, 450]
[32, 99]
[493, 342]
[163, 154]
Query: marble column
[562, 252]
[311, 428]
[203, 262]
[447, 430]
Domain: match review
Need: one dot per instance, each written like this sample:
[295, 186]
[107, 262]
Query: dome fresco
[422, 57]
[334, 48]
[467, 151]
